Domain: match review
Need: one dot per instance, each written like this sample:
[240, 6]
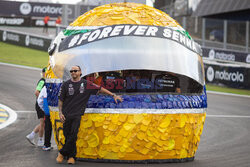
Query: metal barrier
[227, 74]
[25, 39]
[218, 33]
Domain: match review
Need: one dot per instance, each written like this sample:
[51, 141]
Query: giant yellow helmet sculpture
[146, 127]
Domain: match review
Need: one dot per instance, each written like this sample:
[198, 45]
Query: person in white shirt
[43, 104]
[39, 129]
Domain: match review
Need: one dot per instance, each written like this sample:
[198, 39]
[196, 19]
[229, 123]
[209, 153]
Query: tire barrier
[24, 39]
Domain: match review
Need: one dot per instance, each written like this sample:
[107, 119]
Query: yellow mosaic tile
[179, 139]
[125, 13]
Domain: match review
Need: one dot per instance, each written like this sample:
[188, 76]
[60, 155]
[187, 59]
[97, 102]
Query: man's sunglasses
[73, 71]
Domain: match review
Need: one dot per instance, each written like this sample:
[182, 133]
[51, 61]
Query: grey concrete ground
[225, 140]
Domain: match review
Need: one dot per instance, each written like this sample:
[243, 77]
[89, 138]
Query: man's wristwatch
[113, 95]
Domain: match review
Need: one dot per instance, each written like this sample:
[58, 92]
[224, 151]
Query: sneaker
[47, 148]
[30, 139]
[71, 161]
[59, 158]
[40, 143]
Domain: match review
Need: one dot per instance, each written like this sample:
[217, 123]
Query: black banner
[26, 21]
[12, 8]
[21, 39]
[129, 30]
[40, 23]
[234, 76]
[219, 54]
[15, 21]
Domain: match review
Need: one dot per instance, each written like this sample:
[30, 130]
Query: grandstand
[212, 23]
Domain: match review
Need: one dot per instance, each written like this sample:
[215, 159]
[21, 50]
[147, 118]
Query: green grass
[34, 58]
[23, 56]
[227, 90]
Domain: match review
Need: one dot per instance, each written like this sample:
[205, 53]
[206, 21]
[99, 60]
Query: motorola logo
[235, 76]
[210, 74]
[10, 36]
[248, 58]
[25, 8]
[27, 40]
[4, 36]
[211, 54]
[31, 8]
[220, 55]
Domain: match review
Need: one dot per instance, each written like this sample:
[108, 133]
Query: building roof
[217, 7]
